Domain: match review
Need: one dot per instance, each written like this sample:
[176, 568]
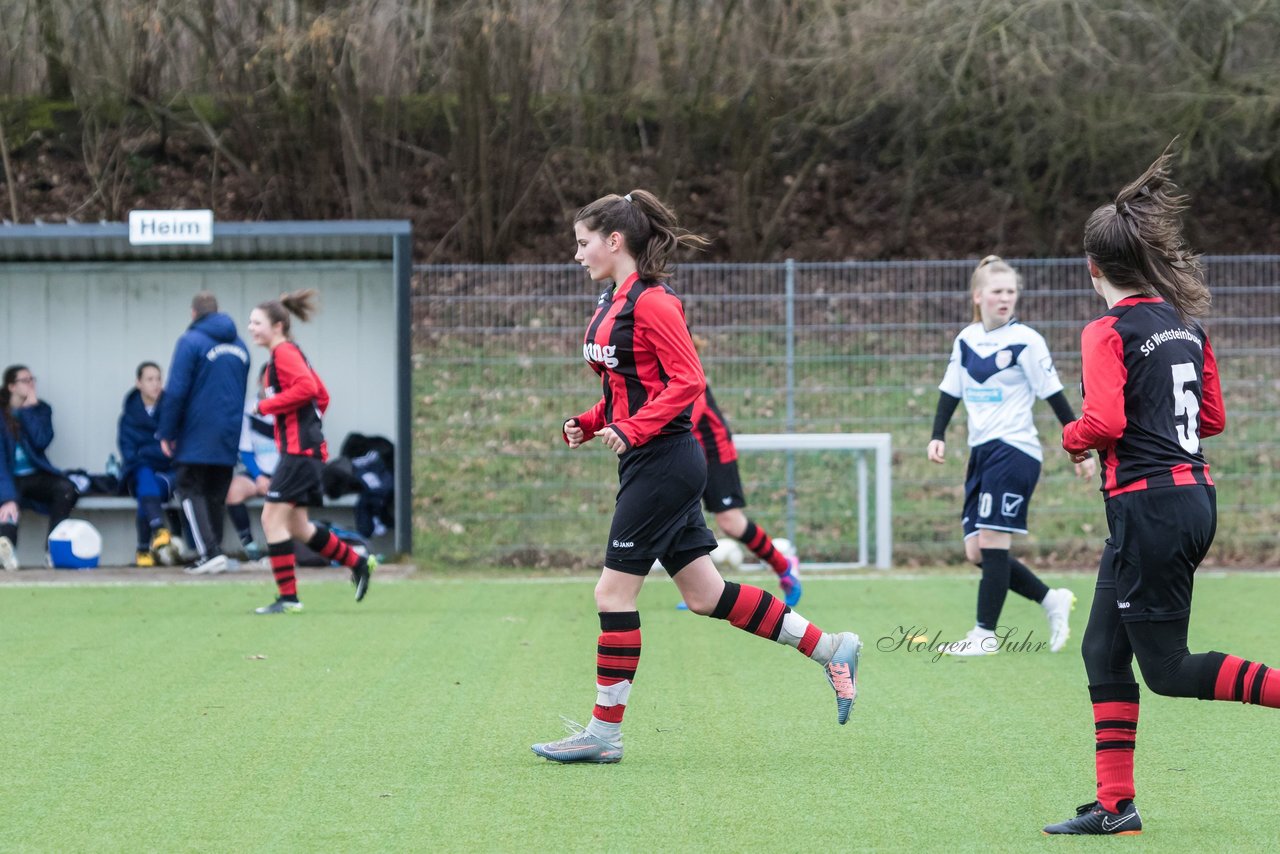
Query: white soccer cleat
[581, 746]
[1058, 605]
[978, 641]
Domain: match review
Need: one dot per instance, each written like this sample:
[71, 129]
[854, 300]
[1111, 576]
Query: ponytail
[646, 224]
[1137, 241]
[300, 303]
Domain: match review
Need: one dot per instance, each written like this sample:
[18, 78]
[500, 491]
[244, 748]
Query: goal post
[859, 444]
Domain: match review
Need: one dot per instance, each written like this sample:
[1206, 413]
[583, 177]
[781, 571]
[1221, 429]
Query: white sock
[604, 730]
[793, 628]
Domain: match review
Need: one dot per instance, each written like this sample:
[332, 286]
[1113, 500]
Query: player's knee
[701, 604]
[1096, 652]
[1166, 677]
[1161, 682]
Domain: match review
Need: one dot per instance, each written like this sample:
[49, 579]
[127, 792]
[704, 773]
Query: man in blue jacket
[200, 423]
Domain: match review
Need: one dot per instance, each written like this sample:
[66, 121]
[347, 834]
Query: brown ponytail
[300, 303]
[646, 224]
[1137, 241]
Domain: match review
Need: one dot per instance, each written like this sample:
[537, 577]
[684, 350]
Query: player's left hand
[613, 439]
[1085, 468]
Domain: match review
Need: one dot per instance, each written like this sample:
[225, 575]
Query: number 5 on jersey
[1185, 403]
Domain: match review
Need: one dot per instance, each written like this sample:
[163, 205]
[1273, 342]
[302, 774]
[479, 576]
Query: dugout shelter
[82, 306]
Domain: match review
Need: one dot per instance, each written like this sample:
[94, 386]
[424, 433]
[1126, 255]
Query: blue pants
[152, 489]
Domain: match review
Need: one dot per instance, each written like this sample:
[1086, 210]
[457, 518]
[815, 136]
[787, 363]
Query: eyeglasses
[25, 380]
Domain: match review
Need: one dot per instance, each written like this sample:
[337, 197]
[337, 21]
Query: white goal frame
[860, 444]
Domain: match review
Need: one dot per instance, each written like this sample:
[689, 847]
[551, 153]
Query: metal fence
[792, 347]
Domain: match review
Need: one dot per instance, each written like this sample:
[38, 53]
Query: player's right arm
[1213, 414]
[1102, 421]
[950, 390]
[947, 404]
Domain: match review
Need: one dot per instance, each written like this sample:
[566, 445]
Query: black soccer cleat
[360, 576]
[1093, 820]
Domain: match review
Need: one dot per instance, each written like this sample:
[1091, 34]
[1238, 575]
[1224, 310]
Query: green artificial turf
[169, 718]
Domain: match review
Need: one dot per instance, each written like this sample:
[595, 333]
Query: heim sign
[167, 227]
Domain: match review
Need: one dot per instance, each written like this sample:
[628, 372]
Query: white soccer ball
[728, 555]
[171, 555]
[75, 544]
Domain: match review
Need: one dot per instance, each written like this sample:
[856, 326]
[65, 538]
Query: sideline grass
[169, 718]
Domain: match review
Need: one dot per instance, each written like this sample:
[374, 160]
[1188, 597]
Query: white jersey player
[1000, 367]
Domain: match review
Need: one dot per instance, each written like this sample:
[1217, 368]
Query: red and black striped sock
[282, 565]
[1115, 724]
[617, 656]
[751, 609]
[327, 544]
[1247, 682]
[755, 538]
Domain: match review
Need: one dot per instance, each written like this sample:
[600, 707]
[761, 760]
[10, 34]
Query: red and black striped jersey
[712, 430]
[638, 343]
[1151, 393]
[297, 398]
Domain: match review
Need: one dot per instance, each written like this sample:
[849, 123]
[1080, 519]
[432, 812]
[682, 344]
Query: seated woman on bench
[146, 469]
[27, 478]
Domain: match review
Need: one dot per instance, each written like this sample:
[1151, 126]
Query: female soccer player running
[1151, 393]
[297, 398]
[639, 344]
[1000, 367]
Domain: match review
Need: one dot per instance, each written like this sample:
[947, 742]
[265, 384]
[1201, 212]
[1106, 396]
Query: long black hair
[10, 376]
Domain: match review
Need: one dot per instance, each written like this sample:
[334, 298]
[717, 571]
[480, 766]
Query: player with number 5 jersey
[1152, 390]
[1151, 394]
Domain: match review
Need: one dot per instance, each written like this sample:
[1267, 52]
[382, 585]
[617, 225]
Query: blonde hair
[982, 274]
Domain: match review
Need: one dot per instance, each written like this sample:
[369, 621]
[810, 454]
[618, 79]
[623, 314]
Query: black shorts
[298, 480]
[1158, 538]
[657, 513]
[997, 488]
[724, 487]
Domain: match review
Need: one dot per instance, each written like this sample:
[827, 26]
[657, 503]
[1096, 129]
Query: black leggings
[55, 493]
[1110, 646]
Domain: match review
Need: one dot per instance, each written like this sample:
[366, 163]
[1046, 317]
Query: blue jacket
[136, 436]
[35, 432]
[204, 398]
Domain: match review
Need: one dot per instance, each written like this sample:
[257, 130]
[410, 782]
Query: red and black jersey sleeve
[712, 431]
[297, 398]
[1102, 419]
[1151, 392]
